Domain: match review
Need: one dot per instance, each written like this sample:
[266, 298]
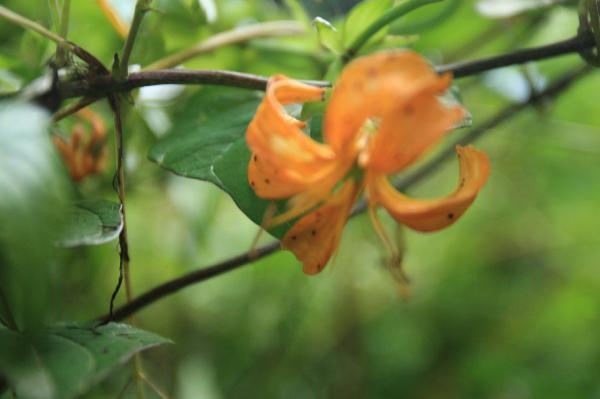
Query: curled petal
[267, 181]
[315, 237]
[371, 87]
[431, 215]
[410, 130]
[287, 156]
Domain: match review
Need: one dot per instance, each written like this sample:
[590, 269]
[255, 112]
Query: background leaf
[65, 360]
[361, 16]
[92, 222]
[329, 37]
[32, 196]
[207, 142]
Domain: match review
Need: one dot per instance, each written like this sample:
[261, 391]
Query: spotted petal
[315, 237]
[431, 215]
[371, 87]
[408, 131]
[285, 161]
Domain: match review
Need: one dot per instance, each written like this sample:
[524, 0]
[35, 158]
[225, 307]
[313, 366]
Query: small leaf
[328, 35]
[361, 16]
[92, 222]
[65, 360]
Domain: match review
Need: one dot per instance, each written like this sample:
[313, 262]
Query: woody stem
[579, 43]
[104, 84]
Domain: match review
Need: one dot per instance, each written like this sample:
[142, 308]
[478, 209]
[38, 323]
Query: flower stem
[387, 18]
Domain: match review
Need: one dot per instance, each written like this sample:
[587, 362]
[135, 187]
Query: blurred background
[505, 304]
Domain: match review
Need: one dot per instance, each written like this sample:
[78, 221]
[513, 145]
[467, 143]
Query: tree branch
[191, 278]
[102, 85]
[578, 43]
[237, 262]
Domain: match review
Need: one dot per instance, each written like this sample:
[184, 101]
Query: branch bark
[102, 85]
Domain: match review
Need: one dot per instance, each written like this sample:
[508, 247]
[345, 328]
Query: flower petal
[431, 215]
[288, 157]
[315, 237]
[411, 129]
[370, 87]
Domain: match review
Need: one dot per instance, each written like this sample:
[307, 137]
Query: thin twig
[120, 182]
[33, 26]
[73, 108]
[141, 8]
[124, 258]
[576, 44]
[239, 261]
[237, 35]
[191, 278]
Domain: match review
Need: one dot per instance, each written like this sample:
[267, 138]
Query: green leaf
[65, 360]
[33, 190]
[328, 35]
[92, 222]
[361, 16]
[207, 142]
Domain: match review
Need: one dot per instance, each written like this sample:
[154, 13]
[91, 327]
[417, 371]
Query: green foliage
[328, 35]
[92, 222]
[207, 142]
[33, 191]
[360, 17]
[63, 361]
[497, 299]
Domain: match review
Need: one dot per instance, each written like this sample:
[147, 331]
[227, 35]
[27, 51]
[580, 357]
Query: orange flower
[84, 158]
[384, 113]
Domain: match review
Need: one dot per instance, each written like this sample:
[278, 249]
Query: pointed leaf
[92, 222]
[361, 16]
[207, 142]
[329, 37]
[65, 360]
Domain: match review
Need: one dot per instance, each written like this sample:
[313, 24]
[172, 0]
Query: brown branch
[102, 85]
[239, 261]
[191, 278]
